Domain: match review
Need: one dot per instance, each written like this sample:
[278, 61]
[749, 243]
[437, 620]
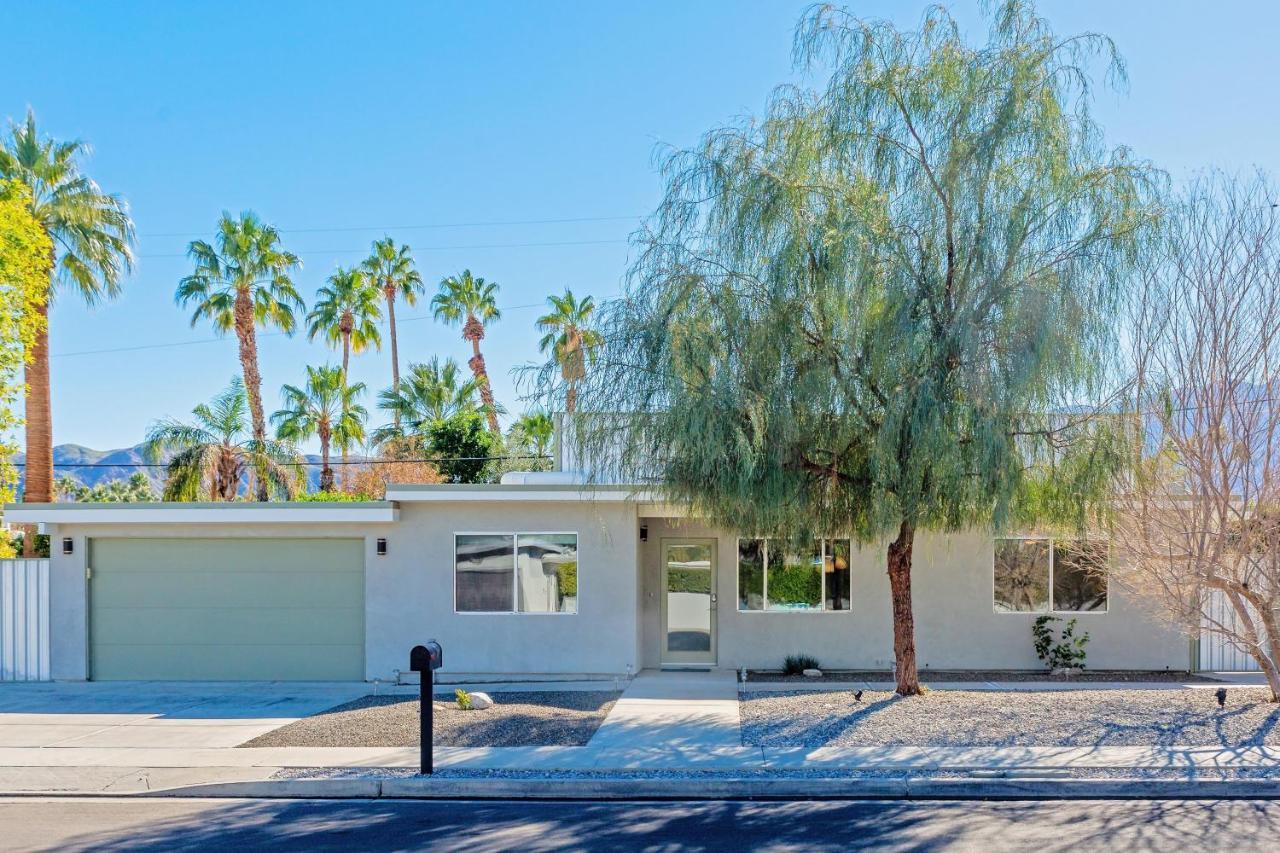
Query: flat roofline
[446, 492]
[228, 512]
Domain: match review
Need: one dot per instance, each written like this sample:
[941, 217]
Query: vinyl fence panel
[24, 620]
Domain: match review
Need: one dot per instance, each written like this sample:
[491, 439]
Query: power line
[435, 248]
[438, 225]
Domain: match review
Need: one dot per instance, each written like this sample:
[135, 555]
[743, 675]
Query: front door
[689, 601]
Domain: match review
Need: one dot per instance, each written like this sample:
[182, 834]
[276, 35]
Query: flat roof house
[540, 575]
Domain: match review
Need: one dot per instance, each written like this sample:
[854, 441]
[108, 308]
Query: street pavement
[165, 825]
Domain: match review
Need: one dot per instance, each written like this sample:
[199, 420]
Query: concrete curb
[730, 788]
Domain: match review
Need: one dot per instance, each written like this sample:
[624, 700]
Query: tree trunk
[346, 358]
[38, 484]
[571, 398]
[252, 378]
[395, 352]
[474, 331]
[326, 472]
[904, 627]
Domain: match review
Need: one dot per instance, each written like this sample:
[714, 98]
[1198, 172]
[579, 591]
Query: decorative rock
[813, 673]
[480, 701]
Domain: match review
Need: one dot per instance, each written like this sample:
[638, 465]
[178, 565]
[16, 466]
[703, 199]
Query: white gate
[24, 620]
[1217, 654]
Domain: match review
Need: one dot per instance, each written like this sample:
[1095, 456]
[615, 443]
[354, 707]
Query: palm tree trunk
[904, 627]
[395, 352]
[37, 484]
[326, 471]
[571, 398]
[346, 357]
[252, 378]
[473, 331]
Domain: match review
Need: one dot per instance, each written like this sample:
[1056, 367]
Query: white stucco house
[538, 575]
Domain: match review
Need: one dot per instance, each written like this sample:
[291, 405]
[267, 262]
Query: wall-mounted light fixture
[644, 533]
[67, 545]
[382, 547]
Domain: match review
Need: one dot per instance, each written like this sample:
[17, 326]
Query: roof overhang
[456, 493]
[301, 512]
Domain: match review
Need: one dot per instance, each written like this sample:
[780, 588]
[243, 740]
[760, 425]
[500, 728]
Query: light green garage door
[226, 609]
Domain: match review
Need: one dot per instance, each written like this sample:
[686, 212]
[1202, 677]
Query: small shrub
[797, 664]
[464, 699]
[1068, 650]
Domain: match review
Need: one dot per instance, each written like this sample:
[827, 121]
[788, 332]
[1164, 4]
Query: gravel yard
[551, 718]
[1011, 718]
[929, 675]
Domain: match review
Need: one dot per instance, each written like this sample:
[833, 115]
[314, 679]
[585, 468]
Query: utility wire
[439, 225]
[434, 248]
[302, 464]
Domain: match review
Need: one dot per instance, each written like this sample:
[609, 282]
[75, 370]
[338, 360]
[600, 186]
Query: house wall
[410, 592]
[956, 625]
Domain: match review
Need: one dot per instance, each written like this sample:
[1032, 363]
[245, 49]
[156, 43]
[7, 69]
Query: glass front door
[689, 602]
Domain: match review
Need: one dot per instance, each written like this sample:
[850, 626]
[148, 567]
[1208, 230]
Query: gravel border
[1089, 675]
[1082, 717]
[526, 718]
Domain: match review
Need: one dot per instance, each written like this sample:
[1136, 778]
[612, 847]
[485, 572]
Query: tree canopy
[868, 310]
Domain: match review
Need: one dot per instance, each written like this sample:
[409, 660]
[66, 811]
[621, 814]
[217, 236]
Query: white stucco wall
[956, 626]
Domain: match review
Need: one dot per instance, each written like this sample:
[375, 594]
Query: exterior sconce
[67, 545]
[644, 533]
[382, 547]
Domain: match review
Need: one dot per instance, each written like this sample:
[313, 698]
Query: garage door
[226, 609]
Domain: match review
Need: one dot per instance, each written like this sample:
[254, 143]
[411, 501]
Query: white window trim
[1050, 610]
[737, 578]
[515, 572]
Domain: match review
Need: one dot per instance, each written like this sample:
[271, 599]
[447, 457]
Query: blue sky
[339, 122]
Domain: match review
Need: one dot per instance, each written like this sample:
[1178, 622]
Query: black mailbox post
[425, 660]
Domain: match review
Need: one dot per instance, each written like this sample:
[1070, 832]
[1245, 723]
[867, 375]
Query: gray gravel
[1011, 718]
[1020, 675]
[548, 718]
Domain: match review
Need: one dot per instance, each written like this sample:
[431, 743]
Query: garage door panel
[229, 626]
[238, 588]
[227, 609]
[253, 663]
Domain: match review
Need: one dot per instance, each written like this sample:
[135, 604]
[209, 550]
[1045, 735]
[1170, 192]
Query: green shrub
[794, 584]
[797, 664]
[332, 497]
[1068, 652]
[689, 580]
[464, 699]
[567, 573]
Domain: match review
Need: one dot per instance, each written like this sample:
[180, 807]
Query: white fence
[24, 620]
[1217, 653]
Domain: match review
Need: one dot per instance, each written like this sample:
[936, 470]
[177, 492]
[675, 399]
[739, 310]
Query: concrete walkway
[673, 710]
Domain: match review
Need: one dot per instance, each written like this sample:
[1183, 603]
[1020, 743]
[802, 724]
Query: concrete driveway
[158, 714]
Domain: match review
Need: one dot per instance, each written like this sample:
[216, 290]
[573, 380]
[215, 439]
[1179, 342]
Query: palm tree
[346, 313]
[325, 407]
[391, 268]
[572, 343]
[92, 237]
[213, 455]
[430, 392]
[241, 281]
[533, 432]
[472, 301]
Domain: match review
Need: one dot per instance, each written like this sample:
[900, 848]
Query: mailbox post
[425, 660]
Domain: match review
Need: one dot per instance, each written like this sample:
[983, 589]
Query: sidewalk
[674, 710]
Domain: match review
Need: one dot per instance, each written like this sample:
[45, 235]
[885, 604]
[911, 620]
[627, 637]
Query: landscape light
[382, 547]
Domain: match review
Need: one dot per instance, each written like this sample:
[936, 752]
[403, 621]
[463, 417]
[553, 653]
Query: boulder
[480, 701]
[813, 673]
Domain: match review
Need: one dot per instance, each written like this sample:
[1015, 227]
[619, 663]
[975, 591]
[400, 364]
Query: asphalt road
[159, 824]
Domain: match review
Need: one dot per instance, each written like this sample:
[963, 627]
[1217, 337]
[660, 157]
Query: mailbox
[426, 658]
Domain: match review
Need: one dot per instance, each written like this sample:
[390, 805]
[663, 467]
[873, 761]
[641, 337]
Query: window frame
[1051, 610]
[737, 578]
[515, 572]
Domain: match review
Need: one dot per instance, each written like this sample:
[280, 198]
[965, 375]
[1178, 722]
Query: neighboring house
[538, 575]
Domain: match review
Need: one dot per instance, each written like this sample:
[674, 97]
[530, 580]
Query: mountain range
[103, 466]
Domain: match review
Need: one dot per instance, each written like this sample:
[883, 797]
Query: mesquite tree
[867, 310]
[1197, 517]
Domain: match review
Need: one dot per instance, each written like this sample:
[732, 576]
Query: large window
[516, 572]
[773, 576]
[1043, 575]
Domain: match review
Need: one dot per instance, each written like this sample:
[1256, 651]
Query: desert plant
[1064, 652]
[797, 664]
[464, 699]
